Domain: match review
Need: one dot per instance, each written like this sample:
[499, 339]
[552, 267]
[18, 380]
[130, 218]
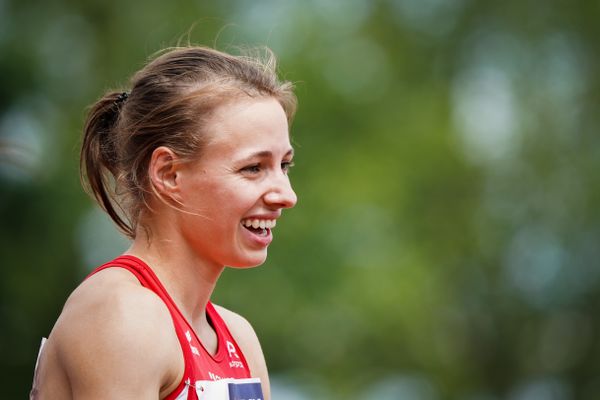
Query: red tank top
[223, 376]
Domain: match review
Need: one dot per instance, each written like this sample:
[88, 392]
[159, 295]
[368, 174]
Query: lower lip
[262, 241]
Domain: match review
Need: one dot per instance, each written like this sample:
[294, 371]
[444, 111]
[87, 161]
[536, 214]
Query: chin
[249, 262]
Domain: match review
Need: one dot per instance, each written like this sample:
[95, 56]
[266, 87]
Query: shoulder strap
[129, 263]
[225, 337]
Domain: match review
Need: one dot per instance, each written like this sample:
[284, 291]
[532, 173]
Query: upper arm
[246, 338]
[115, 346]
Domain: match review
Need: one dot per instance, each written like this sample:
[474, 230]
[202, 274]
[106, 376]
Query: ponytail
[99, 159]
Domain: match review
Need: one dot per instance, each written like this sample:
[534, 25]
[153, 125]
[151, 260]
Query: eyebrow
[267, 154]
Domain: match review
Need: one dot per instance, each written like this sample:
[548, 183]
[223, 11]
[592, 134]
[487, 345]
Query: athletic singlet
[224, 376]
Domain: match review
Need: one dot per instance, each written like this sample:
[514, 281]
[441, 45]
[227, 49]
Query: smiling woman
[191, 164]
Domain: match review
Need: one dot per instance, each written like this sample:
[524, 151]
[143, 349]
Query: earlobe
[163, 171]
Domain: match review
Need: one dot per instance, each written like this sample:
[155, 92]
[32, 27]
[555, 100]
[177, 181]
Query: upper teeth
[259, 223]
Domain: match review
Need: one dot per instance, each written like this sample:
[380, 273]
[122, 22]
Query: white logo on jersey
[212, 376]
[231, 349]
[188, 336]
[233, 356]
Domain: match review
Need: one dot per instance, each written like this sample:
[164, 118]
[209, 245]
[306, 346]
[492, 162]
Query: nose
[281, 194]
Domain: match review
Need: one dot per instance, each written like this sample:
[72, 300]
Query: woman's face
[238, 188]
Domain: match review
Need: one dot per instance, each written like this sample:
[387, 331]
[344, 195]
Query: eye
[286, 165]
[252, 169]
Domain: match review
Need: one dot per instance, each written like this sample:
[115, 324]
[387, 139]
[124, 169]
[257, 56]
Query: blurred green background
[446, 243]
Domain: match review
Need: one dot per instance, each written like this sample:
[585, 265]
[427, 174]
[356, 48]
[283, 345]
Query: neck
[189, 279]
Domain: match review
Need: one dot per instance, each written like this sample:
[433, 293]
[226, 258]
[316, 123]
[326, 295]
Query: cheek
[239, 194]
[223, 208]
[207, 192]
[225, 197]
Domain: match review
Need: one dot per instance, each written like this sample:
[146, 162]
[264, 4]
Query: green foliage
[445, 243]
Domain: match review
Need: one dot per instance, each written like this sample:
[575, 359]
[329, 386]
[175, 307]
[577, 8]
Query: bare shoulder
[246, 338]
[112, 304]
[113, 334]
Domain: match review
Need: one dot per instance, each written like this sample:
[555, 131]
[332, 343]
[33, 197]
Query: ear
[163, 171]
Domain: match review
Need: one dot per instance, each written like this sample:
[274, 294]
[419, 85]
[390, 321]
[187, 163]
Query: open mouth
[259, 227]
[258, 231]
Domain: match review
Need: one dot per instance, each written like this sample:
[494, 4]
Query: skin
[123, 345]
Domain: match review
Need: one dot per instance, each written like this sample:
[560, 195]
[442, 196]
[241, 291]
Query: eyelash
[286, 165]
[255, 168]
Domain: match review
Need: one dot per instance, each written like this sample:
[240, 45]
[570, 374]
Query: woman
[192, 165]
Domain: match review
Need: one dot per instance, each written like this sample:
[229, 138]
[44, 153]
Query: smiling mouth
[258, 231]
[259, 227]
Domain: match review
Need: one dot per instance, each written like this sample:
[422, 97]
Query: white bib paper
[230, 389]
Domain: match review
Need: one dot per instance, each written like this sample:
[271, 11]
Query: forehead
[248, 125]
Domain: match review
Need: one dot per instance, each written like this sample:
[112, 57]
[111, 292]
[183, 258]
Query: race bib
[230, 389]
